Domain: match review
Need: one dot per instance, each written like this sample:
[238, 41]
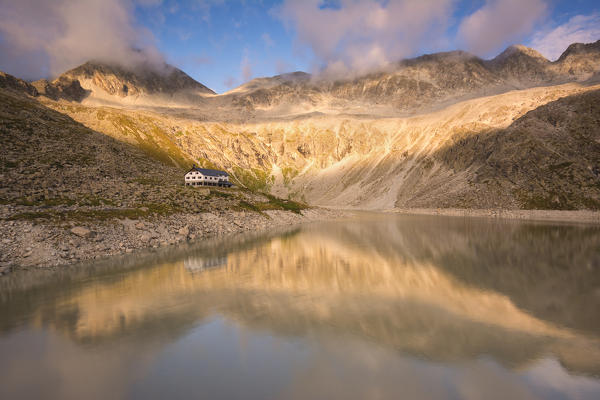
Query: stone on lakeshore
[184, 231]
[81, 231]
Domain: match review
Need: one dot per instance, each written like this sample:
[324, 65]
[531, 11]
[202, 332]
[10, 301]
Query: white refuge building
[207, 177]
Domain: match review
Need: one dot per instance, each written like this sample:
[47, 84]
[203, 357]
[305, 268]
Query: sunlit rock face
[441, 130]
[444, 290]
[534, 148]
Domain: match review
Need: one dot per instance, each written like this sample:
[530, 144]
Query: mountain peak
[519, 51]
[580, 48]
[131, 81]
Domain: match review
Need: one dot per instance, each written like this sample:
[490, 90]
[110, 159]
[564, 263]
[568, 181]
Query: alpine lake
[381, 306]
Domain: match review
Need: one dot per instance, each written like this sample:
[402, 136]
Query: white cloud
[579, 29]
[499, 23]
[358, 35]
[55, 35]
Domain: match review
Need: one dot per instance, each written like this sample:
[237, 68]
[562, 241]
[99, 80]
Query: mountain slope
[547, 159]
[433, 160]
[473, 143]
[61, 88]
[54, 168]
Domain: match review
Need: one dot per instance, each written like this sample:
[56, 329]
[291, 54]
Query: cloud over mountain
[579, 29]
[352, 35]
[46, 37]
[499, 23]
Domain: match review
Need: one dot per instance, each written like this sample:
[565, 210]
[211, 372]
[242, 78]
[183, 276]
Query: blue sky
[224, 43]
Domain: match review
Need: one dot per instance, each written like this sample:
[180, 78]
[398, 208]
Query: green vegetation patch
[244, 205]
[549, 201]
[154, 141]
[218, 193]
[80, 215]
[60, 201]
[205, 163]
[289, 174]
[254, 179]
[275, 203]
[144, 210]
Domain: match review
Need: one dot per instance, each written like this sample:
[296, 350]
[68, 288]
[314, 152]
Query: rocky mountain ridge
[480, 146]
[457, 157]
[411, 86]
[417, 84]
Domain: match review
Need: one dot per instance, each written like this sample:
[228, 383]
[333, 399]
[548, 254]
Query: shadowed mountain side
[61, 88]
[9, 82]
[53, 168]
[547, 159]
[47, 155]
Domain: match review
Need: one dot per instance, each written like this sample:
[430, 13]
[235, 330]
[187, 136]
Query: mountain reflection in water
[379, 307]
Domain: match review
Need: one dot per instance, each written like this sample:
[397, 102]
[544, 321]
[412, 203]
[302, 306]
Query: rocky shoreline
[25, 244]
[569, 216]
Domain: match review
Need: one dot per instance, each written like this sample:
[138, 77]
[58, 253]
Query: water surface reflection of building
[198, 264]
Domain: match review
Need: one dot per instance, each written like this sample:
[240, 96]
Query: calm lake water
[381, 307]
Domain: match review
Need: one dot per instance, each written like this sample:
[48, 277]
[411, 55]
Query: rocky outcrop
[15, 84]
[580, 60]
[61, 88]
